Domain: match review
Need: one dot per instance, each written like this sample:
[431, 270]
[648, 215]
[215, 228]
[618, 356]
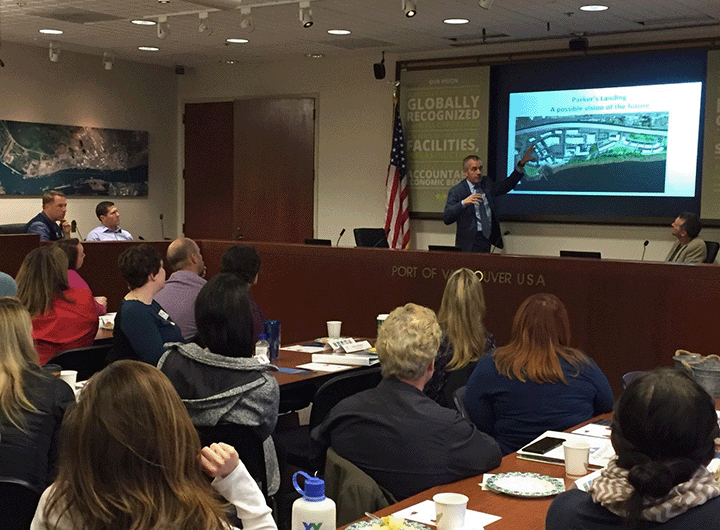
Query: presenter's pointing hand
[528, 156]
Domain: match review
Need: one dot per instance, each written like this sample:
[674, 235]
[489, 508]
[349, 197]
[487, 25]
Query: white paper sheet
[322, 367]
[304, 349]
[424, 512]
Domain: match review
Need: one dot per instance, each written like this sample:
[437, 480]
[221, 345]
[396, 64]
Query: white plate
[521, 484]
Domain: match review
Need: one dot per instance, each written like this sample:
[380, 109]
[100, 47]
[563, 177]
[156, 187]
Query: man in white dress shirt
[110, 229]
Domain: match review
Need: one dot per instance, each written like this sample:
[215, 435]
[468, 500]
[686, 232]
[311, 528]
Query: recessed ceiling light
[315, 55]
[338, 32]
[163, 1]
[144, 22]
[51, 31]
[148, 48]
[593, 7]
[456, 21]
[237, 41]
[230, 61]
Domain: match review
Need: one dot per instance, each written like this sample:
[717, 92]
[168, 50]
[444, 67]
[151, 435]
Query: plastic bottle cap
[314, 487]
[262, 336]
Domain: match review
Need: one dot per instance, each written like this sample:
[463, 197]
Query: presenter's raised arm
[529, 156]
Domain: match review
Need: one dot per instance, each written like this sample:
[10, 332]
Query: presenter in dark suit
[471, 204]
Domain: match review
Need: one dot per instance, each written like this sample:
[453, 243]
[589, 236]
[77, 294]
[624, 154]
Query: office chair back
[459, 400]
[246, 442]
[630, 377]
[338, 388]
[371, 237]
[712, 251]
[21, 503]
[86, 361]
[13, 228]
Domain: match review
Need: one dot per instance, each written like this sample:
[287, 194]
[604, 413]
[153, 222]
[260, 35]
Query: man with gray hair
[181, 289]
[396, 434]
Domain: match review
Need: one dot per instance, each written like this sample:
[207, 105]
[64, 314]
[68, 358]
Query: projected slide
[631, 141]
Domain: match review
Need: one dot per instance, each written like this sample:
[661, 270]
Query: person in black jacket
[400, 437]
[471, 204]
[32, 404]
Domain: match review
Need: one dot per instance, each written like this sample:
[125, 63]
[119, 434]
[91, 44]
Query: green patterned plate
[521, 484]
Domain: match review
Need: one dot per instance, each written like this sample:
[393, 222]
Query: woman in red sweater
[63, 317]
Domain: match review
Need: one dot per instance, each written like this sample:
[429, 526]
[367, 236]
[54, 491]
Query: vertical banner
[710, 208]
[445, 117]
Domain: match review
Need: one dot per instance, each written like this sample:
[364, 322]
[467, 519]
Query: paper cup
[381, 319]
[69, 376]
[577, 455]
[333, 328]
[450, 510]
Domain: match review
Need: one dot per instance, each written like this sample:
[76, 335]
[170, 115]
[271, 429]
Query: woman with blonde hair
[32, 403]
[75, 252]
[63, 317]
[537, 382]
[465, 339]
[131, 459]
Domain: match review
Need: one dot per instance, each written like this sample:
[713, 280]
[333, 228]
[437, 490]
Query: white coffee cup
[69, 376]
[450, 510]
[577, 456]
[333, 328]
[381, 319]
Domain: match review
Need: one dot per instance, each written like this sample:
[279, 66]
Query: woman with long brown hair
[63, 317]
[537, 382]
[465, 339]
[32, 403]
[131, 459]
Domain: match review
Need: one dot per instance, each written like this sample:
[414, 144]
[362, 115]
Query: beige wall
[78, 91]
[353, 128]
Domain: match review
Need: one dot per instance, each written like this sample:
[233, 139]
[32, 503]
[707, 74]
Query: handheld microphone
[644, 249]
[342, 232]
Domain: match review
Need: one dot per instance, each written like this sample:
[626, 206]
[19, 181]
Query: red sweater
[68, 324]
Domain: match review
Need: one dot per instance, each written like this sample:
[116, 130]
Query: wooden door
[209, 170]
[274, 169]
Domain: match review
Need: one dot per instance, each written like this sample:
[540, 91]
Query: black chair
[371, 237]
[712, 251]
[444, 248]
[296, 441]
[320, 242]
[246, 442]
[21, 501]
[459, 400]
[86, 361]
[13, 228]
[630, 377]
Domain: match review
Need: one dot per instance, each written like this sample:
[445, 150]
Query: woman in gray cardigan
[222, 382]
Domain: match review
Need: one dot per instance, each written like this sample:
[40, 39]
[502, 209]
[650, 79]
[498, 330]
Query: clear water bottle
[261, 349]
[313, 511]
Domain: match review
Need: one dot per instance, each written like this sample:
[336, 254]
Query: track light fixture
[54, 52]
[246, 20]
[204, 26]
[305, 14]
[163, 27]
[108, 60]
[409, 7]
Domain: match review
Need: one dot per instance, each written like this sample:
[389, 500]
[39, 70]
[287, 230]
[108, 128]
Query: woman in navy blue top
[141, 324]
[537, 382]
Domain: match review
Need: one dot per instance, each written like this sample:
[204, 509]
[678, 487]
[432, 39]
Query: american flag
[397, 223]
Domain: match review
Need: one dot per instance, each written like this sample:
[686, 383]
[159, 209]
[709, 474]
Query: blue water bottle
[272, 330]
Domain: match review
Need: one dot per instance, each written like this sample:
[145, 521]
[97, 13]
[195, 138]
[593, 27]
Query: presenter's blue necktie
[482, 212]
